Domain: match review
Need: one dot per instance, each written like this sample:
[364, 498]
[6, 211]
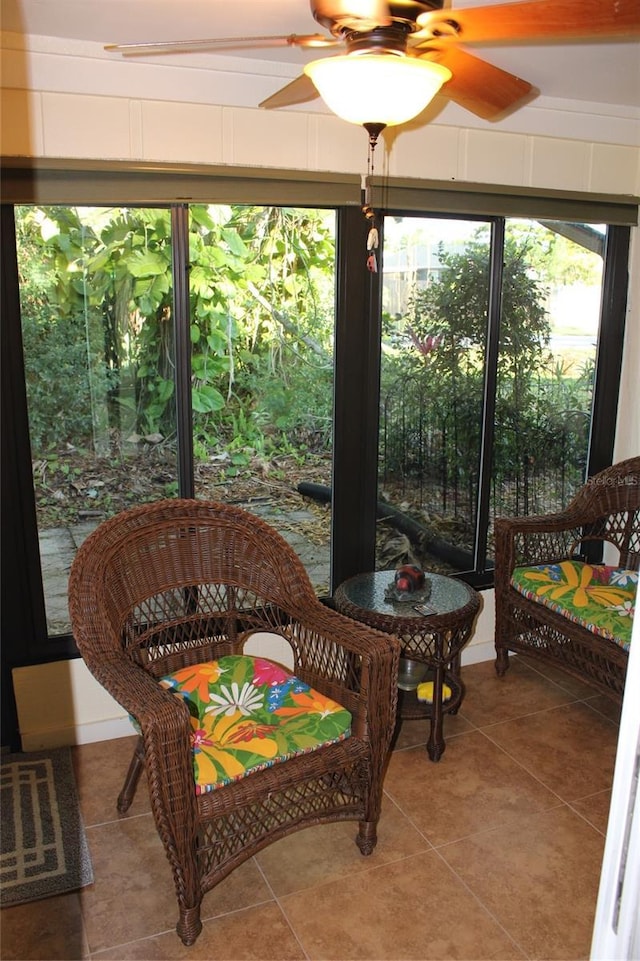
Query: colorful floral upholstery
[600, 598]
[248, 713]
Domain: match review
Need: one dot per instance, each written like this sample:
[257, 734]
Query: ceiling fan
[422, 44]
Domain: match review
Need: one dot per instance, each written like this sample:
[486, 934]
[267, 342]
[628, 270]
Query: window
[354, 355]
[99, 364]
[261, 329]
[489, 354]
[436, 291]
[103, 331]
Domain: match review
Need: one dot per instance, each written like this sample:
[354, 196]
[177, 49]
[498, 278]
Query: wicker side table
[434, 640]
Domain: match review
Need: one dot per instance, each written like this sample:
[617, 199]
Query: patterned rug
[44, 847]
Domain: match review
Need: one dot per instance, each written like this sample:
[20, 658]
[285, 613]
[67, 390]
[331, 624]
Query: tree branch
[284, 322]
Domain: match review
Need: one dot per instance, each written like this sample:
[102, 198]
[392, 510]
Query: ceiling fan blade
[299, 90]
[359, 15]
[225, 43]
[481, 88]
[536, 20]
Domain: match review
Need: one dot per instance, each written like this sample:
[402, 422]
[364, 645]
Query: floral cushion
[248, 713]
[597, 597]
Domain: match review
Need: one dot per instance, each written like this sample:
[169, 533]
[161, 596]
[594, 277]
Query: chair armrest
[526, 541]
[137, 691]
[165, 727]
[354, 664]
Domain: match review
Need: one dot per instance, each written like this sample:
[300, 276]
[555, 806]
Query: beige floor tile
[521, 691]
[571, 748]
[575, 686]
[416, 732]
[100, 770]
[607, 706]
[48, 930]
[259, 934]
[595, 809]
[134, 884]
[474, 787]
[328, 853]
[243, 888]
[539, 878]
[409, 909]
[411, 734]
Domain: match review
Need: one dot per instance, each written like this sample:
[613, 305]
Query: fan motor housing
[403, 14]
[391, 39]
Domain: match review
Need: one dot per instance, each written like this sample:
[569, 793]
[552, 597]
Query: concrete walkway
[58, 548]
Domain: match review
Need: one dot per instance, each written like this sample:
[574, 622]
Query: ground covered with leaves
[75, 486]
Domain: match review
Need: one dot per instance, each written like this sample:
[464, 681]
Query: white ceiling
[606, 73]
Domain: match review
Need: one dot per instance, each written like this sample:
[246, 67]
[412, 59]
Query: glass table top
[367, 591]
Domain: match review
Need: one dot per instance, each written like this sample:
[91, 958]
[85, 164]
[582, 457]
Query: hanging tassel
[373, 238]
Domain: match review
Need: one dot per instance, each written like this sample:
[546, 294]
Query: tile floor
[492, 853]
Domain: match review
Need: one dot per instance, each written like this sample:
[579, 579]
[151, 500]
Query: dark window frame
[357, 347]
[609, 358]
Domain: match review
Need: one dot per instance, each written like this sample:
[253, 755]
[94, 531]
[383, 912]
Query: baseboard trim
[80, 734]
[475, 653]
[112, 728]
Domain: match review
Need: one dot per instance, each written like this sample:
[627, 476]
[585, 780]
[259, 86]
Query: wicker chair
[605, 511]
[178, 584]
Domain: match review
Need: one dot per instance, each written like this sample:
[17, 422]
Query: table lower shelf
[410, 708]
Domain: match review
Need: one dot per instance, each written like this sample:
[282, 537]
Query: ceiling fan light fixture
[377, 88]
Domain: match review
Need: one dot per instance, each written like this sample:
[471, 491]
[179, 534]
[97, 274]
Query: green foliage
[446, 327]
[57, 359]
[296, 410]
[96, 288]
[57, 384]
[98, 282]
[437, 361]
[556, 257]
[261, 306]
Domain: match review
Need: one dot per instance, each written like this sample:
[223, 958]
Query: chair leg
[502, 661]
[189, 925]
[128, 791]
[367, 837]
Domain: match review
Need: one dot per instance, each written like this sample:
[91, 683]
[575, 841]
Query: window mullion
[613, 308]
[356, 402]
[494, 308]
[182, 346]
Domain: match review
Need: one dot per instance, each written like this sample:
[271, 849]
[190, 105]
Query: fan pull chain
[373, 238]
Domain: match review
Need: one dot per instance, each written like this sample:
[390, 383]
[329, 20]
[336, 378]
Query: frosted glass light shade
[376, 88]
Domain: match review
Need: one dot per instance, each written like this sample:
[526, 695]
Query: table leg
[435, 744]
[455, 668]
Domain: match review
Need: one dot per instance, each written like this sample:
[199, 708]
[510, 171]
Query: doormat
[44, 846]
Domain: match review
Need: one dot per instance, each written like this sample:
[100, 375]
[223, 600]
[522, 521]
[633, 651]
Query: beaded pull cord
[373, 238]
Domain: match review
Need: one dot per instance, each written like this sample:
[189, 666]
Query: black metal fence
[430, 454]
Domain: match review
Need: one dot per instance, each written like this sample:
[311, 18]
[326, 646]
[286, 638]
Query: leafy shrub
[58, 389]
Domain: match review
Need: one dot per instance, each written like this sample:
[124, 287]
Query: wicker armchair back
[181, 582]
[606, 510]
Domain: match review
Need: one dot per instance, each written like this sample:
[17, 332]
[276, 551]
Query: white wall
[627, 443]
[72, 99]
[69, 99]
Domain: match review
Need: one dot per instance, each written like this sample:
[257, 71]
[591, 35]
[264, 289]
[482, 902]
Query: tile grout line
[282, 909]
[481, 903]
